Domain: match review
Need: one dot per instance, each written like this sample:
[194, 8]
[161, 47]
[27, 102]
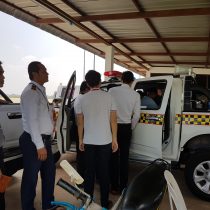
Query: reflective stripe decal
[156, 119]
[193, 119]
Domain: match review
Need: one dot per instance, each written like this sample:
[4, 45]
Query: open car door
[149, 134]
[64, 116]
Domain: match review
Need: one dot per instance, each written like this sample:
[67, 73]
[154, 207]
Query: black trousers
[80, 154]
[31, 168]
[97, 159]
[2, 199]
[119, 160]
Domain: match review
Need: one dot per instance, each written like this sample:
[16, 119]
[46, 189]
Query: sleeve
[136, 111]
[30, 105]
[78, 106]
[1, 158]
[113, 104]
[2, 137]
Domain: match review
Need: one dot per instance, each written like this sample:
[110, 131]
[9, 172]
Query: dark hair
[1, 68]
[93, 78]
[141, 93]
[33, 67]
[83, 87]
[127, 77]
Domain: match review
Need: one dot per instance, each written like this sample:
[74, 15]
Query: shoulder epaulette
[33, 87]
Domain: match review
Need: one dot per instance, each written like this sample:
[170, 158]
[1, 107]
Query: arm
[80, 125]
[136, 112]
[113, 123]
[1, 161]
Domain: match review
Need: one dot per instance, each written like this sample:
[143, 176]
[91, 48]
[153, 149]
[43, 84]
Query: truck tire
[197, 174]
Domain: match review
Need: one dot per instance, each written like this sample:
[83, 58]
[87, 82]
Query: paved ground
[13, 192]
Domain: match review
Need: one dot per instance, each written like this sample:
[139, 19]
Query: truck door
[147, 138]
[11, 124]
[64, 121]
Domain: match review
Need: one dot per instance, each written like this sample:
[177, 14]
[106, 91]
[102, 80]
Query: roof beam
[143, 14]
[144, 40]
[166, 54]
[177, 62]
[49, 20]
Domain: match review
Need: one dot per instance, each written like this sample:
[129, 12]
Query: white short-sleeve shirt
[128, 104]
[96, 106]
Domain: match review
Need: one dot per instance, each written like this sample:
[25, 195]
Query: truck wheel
[197, 174]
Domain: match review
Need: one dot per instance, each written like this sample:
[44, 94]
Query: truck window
[4, 99]
[196, 98]
[151, 93]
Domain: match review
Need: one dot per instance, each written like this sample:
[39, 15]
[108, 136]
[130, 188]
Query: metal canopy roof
[144, 33]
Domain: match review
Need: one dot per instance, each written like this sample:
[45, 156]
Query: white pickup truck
[177, 131]
[10, 120]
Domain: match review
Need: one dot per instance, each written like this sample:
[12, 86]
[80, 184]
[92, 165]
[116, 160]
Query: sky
[22, 43]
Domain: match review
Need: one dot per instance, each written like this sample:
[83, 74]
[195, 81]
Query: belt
[46, 137]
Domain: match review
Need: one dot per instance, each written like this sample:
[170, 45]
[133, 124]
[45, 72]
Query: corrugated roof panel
[128, 28]
[23, 4]
[97, 30]
[121, 47]
[151, 5]
[97, 7]
[61, 5]
[183, 26]
[162, 65]
[39, 11]
[188, 46]
[146, 47]
[75, 31]
[156, 58]
[190, 58]
[153, 27]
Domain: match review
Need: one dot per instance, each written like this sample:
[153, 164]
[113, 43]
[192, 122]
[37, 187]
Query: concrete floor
[13, 192]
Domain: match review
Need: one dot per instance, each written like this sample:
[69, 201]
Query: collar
[93, 89]
[125, 85]
[41, 87]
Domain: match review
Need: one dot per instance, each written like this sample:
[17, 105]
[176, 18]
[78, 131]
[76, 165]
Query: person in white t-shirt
[97, 129]
[84, 88]
[128, 114]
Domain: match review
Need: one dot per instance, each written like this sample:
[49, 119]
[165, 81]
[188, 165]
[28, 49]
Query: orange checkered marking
[156, 119]
[193, 119]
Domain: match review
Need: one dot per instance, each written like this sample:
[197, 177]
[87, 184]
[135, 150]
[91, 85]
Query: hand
[114, 146]
[42, 154]
[81, 146]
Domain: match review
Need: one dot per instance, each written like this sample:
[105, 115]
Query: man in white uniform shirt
[97, 129]
[35, 142]
[128, 114]
[2, 139]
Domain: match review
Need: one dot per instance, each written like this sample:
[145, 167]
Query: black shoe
[109, 206]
